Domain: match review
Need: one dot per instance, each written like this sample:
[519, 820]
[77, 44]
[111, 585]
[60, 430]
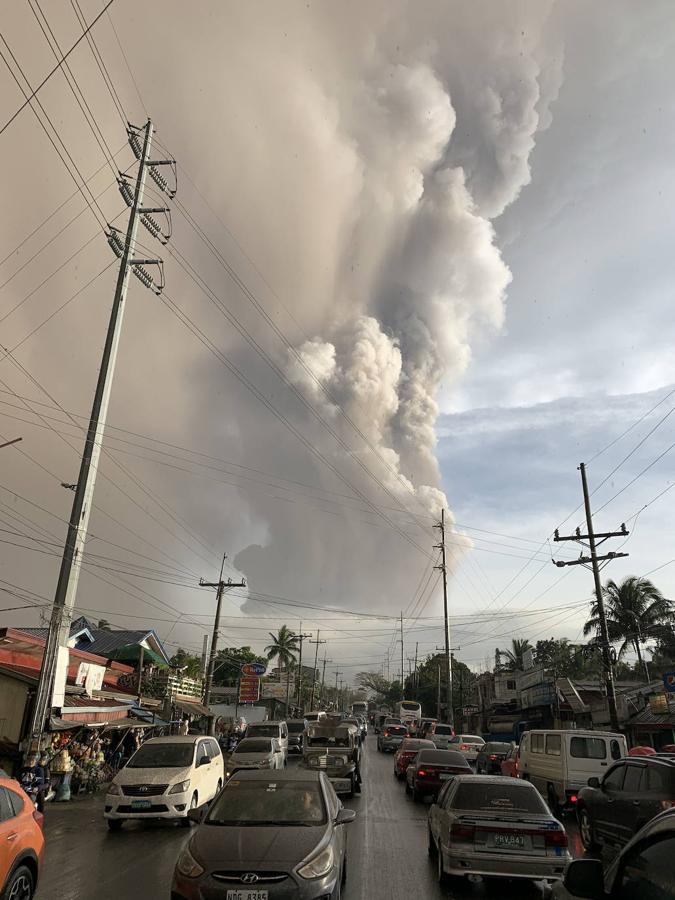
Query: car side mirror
[196, 815]
[345, 816]
[584, 878]
[594, 782]
[203, 761]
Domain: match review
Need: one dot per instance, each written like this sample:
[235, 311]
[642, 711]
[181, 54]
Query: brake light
[39, 818]
[459, 832]
[555, 839]
[573, 798]
[463, 746]
[493, 757]
[421, 773]
[386, 734]
[667, 804]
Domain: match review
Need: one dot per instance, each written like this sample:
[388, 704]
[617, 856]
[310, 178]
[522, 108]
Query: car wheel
[115, 824]
[186, 823]
[20, 885]
[343, 880]
[432, 849]
[586, 831]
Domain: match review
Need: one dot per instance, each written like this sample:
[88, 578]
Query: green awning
[132, 653]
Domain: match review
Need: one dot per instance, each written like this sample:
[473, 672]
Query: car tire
[432, 849]
[441, 875]
[587, 831]
[21, 884]
[343, 879]
[194, 803]
[113, 825]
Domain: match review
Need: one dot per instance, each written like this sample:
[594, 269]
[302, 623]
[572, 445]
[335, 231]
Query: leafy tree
[229, 661]
[284, 647]
[189, 664]
[104, 625]
[634, 609]
[514, 656]
[663, 654]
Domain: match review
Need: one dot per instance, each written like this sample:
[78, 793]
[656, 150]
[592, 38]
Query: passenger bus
[360, 708]
[409, 712]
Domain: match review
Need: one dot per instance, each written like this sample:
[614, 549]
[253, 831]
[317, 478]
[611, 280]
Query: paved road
[387, 849]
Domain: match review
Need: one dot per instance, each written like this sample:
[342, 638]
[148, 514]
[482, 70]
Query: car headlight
[319, 865]
[187, 865]
[114, 788]
[180, 787]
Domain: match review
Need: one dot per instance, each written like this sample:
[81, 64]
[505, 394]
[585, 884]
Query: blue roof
[105, 641]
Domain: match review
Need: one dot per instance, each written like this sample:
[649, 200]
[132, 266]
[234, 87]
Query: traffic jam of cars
[499, 809]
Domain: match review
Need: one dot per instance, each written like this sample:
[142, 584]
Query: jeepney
[334, 749]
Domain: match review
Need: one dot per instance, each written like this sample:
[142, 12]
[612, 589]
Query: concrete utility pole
[220, 586]
[446, 628]
[336, 688]
[402, 669]
[205, 654]
[9, 443]
[595, 561]
[323, 676]
[301, 637]
[416, 679]
[51, 684]
[316, 656]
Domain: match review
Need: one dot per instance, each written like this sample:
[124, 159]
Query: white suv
[164, 779]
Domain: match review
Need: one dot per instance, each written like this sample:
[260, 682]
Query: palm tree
[284, 646]
[514, 656]
[633, 609]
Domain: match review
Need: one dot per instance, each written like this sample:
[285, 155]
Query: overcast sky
[421, 259]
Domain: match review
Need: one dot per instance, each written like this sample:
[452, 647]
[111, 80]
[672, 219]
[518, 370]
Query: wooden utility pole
[220, 586]
[402, 669]
[446, 628]
[594, 560]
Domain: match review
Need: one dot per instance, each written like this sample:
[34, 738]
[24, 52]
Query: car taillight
[386, 734]
[555, 838]
[421, 773]
[573, 798]
[493, 757]
[459, 832]
[463, 746]
[667, 804]
[39, 818]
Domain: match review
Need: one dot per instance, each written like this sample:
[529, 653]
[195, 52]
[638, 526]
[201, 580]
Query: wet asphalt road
[387, 849]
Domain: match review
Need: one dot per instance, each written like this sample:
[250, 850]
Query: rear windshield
[296, 727]
[498, 798]
[254, 745]
[415, 745]
[408, 704]
[392, 721]
[442, 757]
[443, 729]
[397, 729]
[263, 730]
[313, 717]
[467, 739]
[162, 756]
[273, 802]
[497, 748]
[588, 748]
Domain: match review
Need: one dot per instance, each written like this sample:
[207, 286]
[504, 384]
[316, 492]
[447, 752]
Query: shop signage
[276, 690]
[669, 681]
[254, 668]
[249, 689]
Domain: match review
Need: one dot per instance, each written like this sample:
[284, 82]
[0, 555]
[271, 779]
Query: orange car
[21, 842]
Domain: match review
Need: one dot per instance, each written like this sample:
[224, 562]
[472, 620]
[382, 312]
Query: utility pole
[416, 678]
[336, 688]
[402, 669]
[323, 676]
[446, 627]
[220, 586]
[205, 654]
[595, 561]
[301, 637]
[51, 683]
[9, 443]
[438, 695]
[316, 656]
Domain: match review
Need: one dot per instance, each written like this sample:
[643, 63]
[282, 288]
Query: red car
[21, 842]
[407, 752]
[510, 764]
[431, 769]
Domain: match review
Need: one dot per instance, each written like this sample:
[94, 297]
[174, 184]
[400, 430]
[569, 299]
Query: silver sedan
[492, 826]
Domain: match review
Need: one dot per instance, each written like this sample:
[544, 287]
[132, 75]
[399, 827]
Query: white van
[559, 763]
[164, 779]
[271, 729]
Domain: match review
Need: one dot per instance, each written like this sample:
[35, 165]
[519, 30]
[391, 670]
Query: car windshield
[330, 740]
[254, 745]
[269, 802]
[443, 729]
[162, 756]
[497, 748]
[295, 727]
[263, 731]
[499, 798]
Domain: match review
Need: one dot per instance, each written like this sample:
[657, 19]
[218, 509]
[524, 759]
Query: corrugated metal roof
[647, 717]
[105, 641]
[92, 703]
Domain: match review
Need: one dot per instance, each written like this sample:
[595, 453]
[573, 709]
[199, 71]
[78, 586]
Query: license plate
[510, 841]
[141, 804]
[247, 894]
